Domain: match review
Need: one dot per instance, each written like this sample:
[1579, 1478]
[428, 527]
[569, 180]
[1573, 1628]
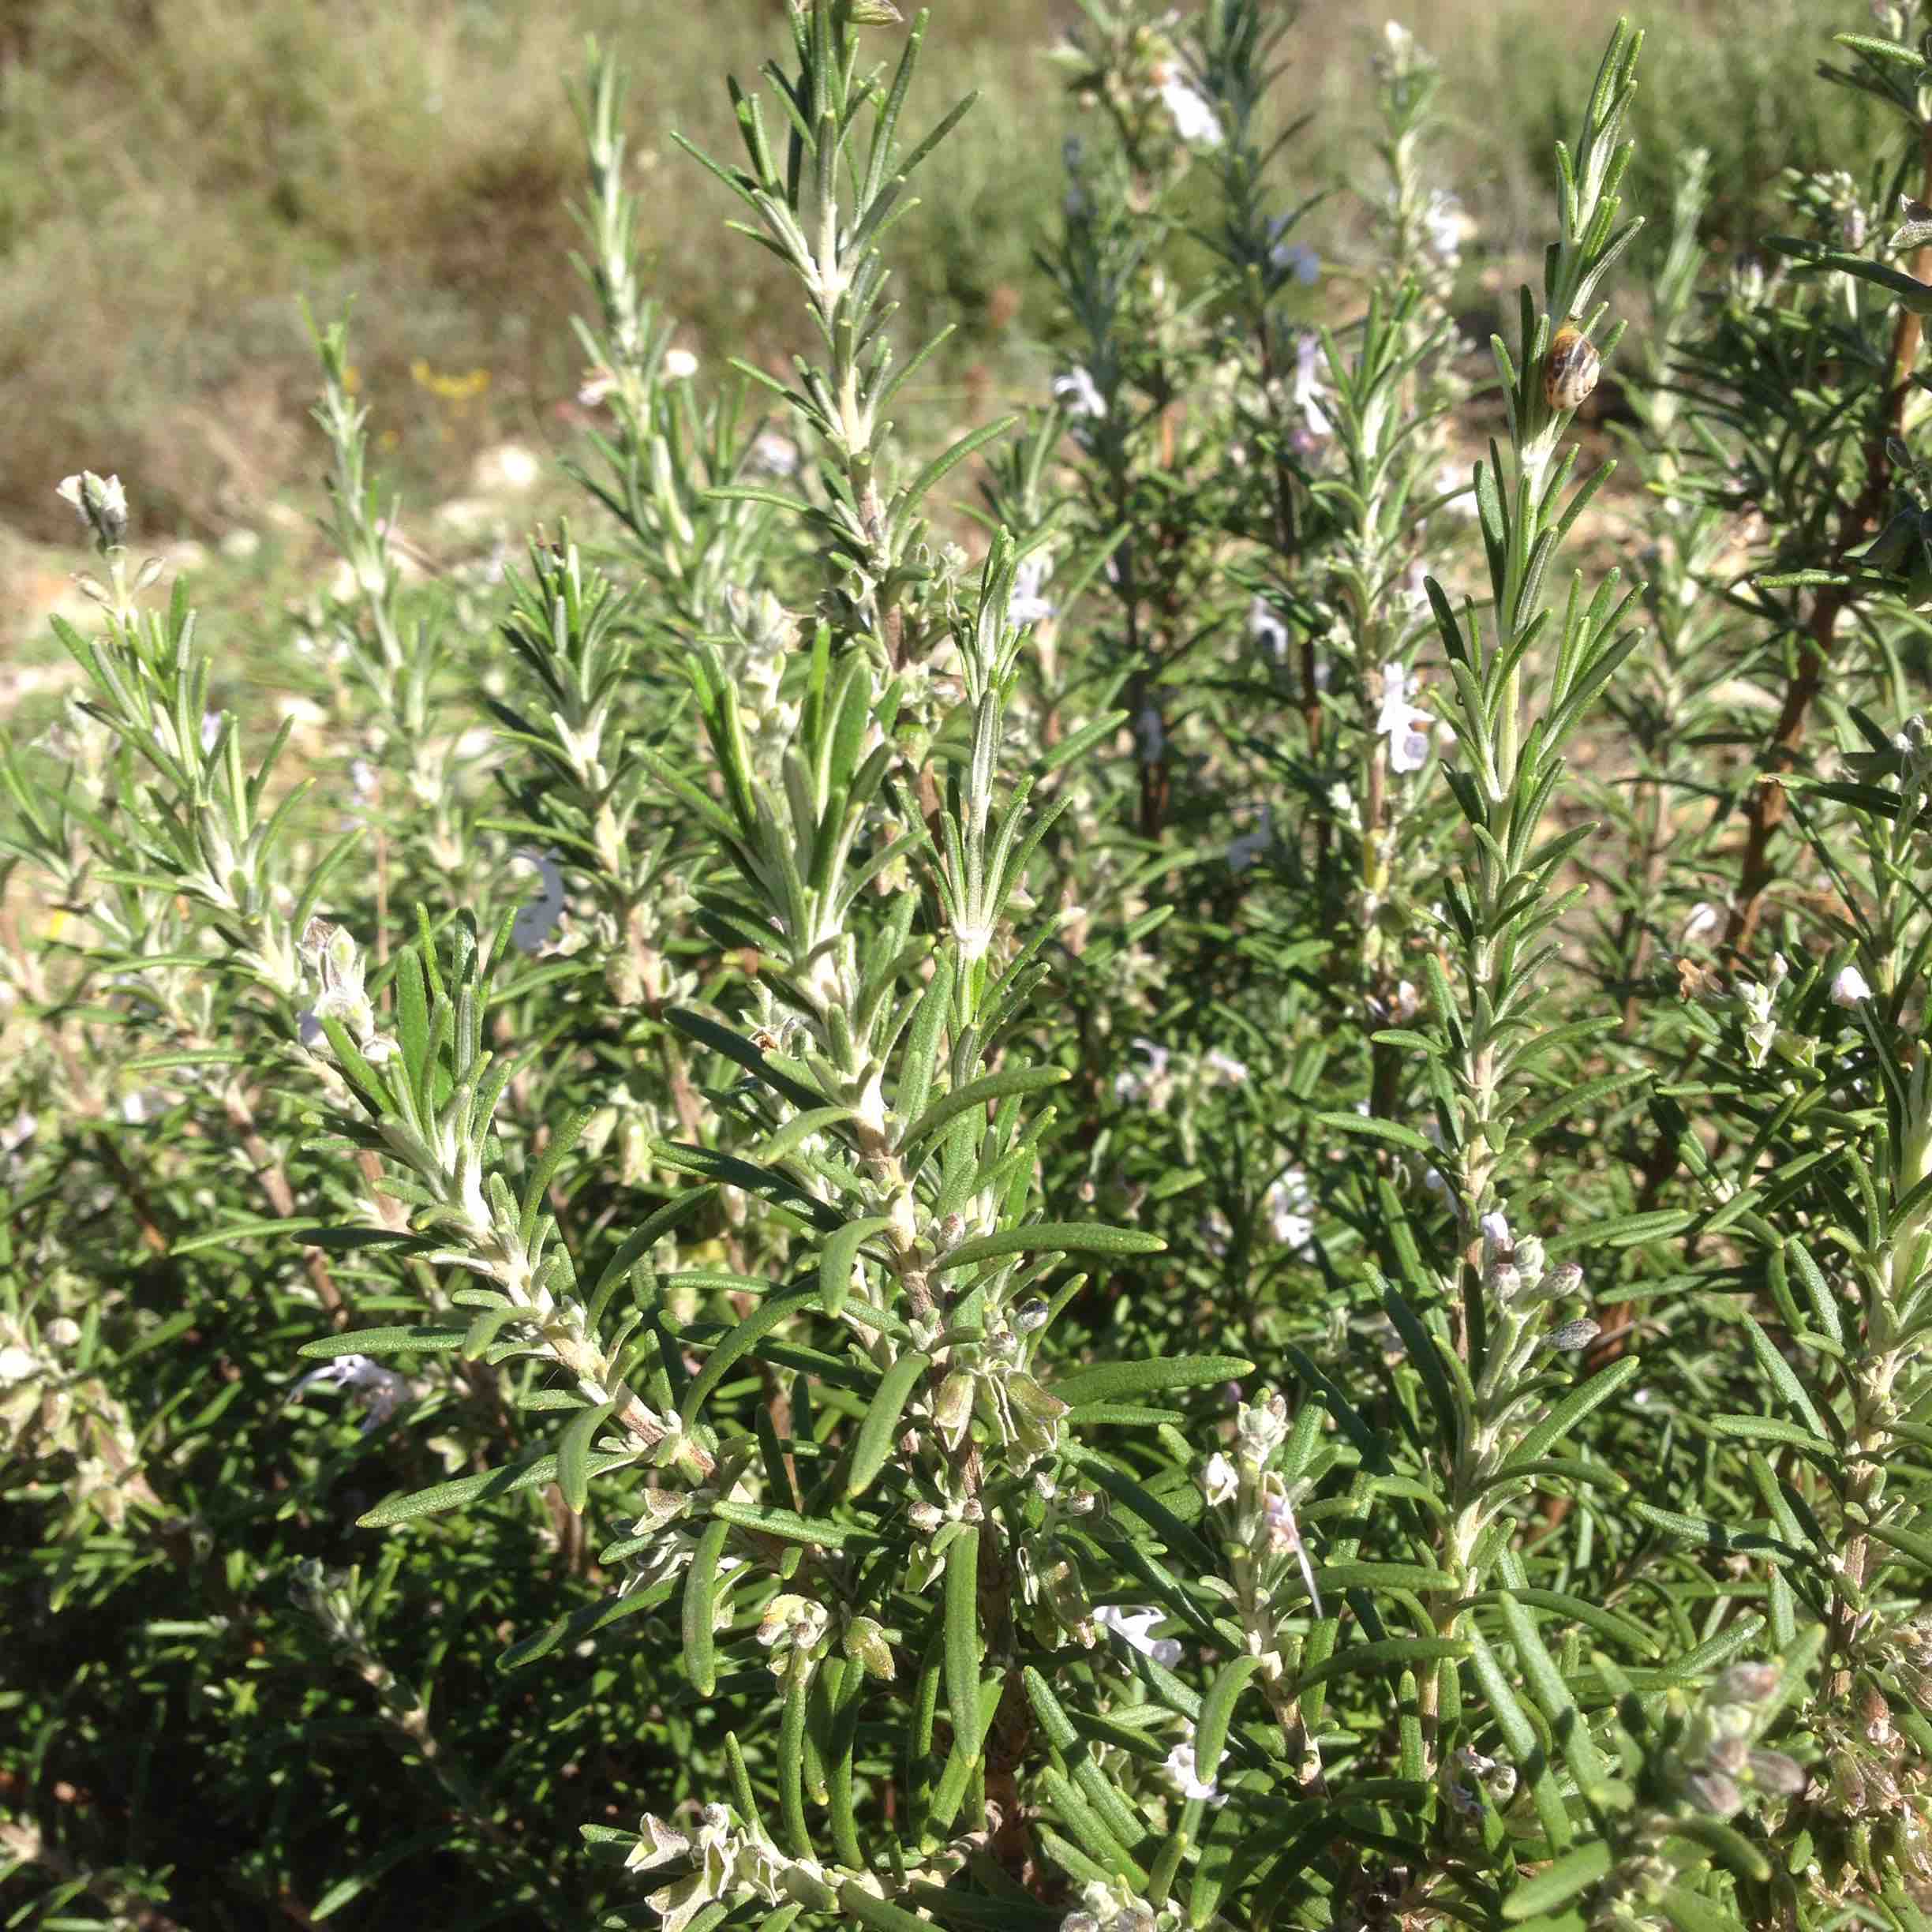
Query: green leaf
[789, 1526]
[733, 1347]
[877, 1433]
[839, 1260]
[1053, 1237]
[700, 1605]
[492, 1483]
[1525, 1747]
[574, 1455]
[1571, 1410]
[962, 1636]
[1554, 1884]
[1114, 1381]
[875, 1915]
[1217, 1711]
[977, 1093]
[1372, 1127]
[385, 1341]
[1690, 1913]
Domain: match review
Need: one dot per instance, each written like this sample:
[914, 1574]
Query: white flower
[1194, 118]
[1848, 987]
[1027, 606]
[1134, 1627]
[380, 1391]
[1218, 1482]
[1403, 1007]
[538, 920]
[1309, 390]
[597, 386]
[1284, 1534]
[1182, 1770]
[1399, 56]
[1406, 728]
[20, 1364]
[1444, 225]
[1452, 481]
[1268, 629]
[1229, 1071]
[99, 502]
[1285, 1205]
[776, 454]
[679, 364]
[211, 729]
[1076, 392]
[1150, 1085]
[1704, 922]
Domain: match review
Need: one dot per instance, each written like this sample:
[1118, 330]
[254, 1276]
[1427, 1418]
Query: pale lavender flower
[1218, 1482]
[1076, 391]
[1182, 1769]
[1134, 1625]
[99, 502]
[1026, 605]
[1245, 847]
[1144, 1084]
[1268, 629]
[1295, 258]
[1704, 924]
[1405, 727]
[1309, 391]
[1848, 987]
[776, 454]
[380, 1391]
[1193, 115]
[1444, 225]
[1286, 1204]
[539, 919]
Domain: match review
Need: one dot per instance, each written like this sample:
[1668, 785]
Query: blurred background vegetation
[174, 174]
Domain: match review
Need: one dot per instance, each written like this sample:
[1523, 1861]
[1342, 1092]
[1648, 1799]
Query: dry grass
[175, 174]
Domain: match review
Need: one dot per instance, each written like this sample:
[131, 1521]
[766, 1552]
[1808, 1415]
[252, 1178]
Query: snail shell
[1570, 371]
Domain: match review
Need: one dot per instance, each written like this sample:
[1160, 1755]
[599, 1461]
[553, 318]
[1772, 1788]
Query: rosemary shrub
[1169, 1168]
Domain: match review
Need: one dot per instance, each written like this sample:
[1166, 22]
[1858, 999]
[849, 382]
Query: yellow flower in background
[449, 389]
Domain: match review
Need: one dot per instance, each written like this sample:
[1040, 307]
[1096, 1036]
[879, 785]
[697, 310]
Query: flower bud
[1714, 1794]
[1031, 1399]
[953, 1411]
[100, 503]
[866, 1644]
[1746, 1684]
[1218, 1482]
[1571, 1335]
[1773, 1771]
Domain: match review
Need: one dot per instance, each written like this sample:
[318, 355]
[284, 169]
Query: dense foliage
[1168, 1169]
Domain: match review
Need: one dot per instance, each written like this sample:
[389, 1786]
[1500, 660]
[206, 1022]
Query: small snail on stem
[1570, 371]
